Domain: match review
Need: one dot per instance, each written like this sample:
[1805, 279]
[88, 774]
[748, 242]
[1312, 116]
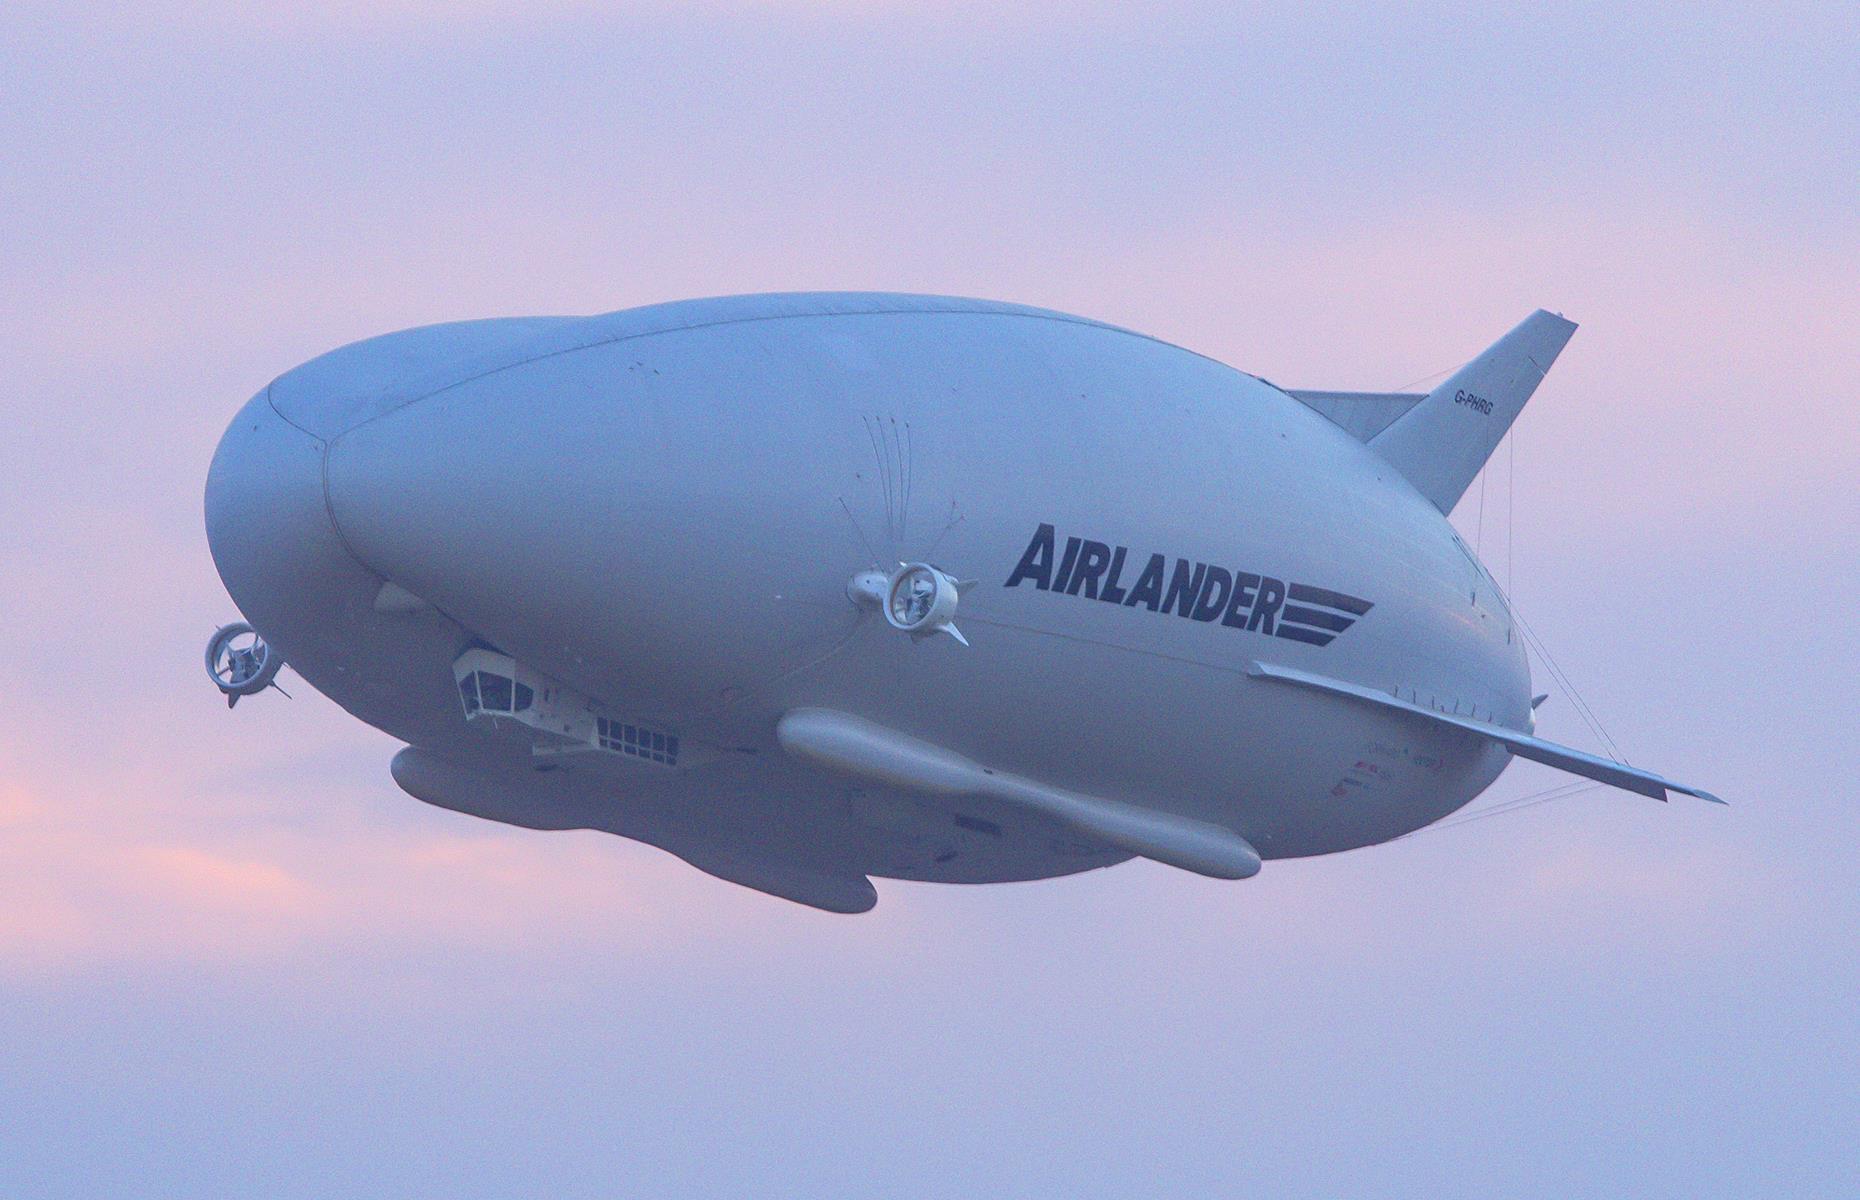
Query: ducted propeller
[917, 598]
[922, 600]
[240, 662]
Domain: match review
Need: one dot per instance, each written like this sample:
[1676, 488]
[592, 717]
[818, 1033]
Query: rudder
[1440, 444]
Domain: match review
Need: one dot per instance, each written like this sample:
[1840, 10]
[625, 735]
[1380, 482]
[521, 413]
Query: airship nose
[268, 513]
[269, 530]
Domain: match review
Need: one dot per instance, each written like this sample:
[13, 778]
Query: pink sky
[1322, 199]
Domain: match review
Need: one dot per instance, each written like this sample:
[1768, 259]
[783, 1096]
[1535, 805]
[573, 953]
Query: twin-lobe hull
[662, 509]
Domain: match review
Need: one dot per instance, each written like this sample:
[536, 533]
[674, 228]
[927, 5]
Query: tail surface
[1440, 444]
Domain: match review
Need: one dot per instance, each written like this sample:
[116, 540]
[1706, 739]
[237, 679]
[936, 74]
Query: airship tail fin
[1362, 415]
[1440, 444]
[1524, 745]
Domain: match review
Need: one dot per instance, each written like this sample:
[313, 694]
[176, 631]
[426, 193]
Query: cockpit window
[494, 692]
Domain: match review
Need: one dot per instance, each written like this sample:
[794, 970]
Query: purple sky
[236, 960]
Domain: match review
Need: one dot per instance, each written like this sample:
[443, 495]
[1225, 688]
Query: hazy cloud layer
[236, 959]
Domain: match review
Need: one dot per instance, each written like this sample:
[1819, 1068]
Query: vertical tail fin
[1440, 444]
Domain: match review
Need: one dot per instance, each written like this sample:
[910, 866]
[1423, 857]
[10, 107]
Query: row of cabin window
[641, 743]
[483, 691]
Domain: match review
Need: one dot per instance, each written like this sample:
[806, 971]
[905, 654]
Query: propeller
[240, 662]
[922, 600]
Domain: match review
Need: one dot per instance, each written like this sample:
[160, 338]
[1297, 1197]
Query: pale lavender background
[235, 960]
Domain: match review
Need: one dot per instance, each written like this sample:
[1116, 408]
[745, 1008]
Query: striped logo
[1199, 591]
[1317, 615]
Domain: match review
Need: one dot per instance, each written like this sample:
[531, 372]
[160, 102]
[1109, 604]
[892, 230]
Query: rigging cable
[1406, 387]
[1556, 672]
[1511, 504]
[1561, 678]
[1562, 791]
[1479, 528]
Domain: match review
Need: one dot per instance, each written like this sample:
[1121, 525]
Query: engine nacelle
[240, 662]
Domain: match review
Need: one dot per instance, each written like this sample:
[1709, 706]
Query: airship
[807, 589]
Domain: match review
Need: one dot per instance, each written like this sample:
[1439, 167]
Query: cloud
[132, 876]
[1687, 315]
[234, 958]
[450, 19]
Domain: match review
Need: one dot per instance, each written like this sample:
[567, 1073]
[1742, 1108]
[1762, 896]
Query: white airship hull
[662, 509]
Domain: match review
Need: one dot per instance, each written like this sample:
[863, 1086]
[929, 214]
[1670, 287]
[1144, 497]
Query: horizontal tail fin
[1524, 745]
[1440, 444]
[1362, 415]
